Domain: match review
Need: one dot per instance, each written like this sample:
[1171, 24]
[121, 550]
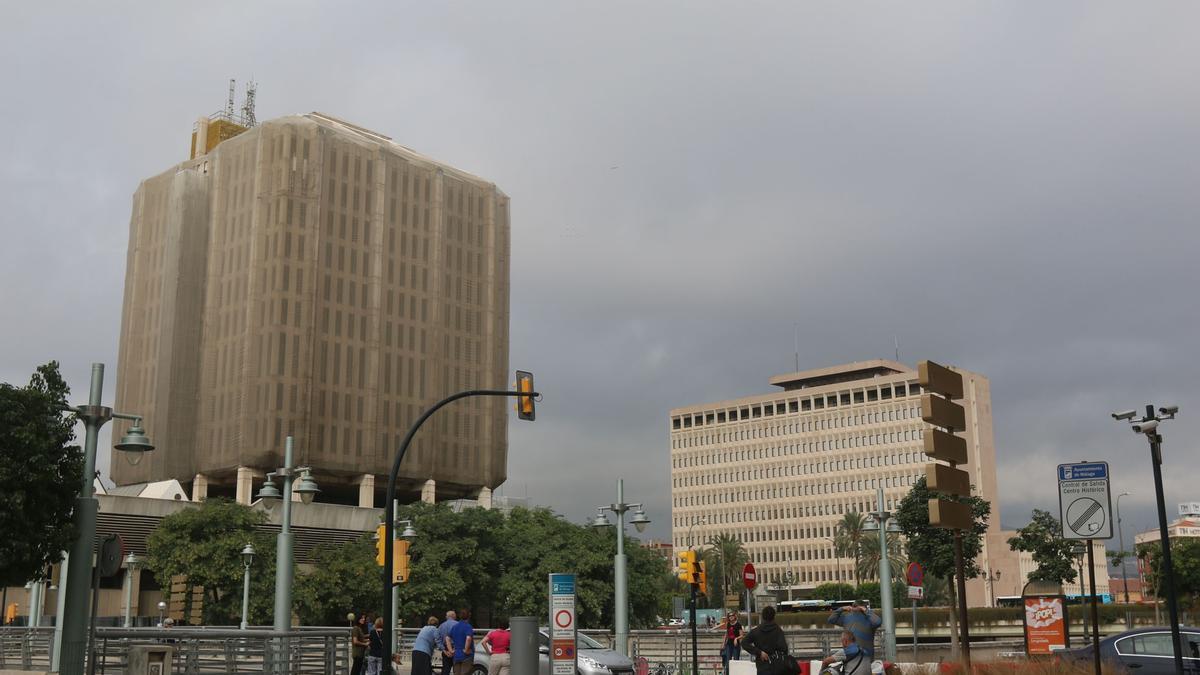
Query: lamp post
[1121, 540]
[76, 584]
[1148, 425]
[882, 522]
[992, 578]
[698, 520]
[620, 578]
[247, 561]
[132, 563]
[837, 559]
[307, 489]
[162, 612]
[408, 534]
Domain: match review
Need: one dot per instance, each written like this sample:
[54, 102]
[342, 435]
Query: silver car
[591, 658]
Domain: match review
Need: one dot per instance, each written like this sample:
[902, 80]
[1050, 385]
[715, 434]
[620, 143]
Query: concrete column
[199, 488]
[485, 498]
[429, 491]
[245, 484]
[366, 491]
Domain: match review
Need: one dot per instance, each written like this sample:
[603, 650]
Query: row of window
[773, 451]
[810, 424]
[700, 479]
[785, 407]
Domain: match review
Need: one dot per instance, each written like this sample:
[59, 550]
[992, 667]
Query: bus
[813, 605]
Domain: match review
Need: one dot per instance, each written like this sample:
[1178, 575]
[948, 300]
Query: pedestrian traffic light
[380, 543]
[400, 562]
[703, 579]
[687, 567]
[525, 409]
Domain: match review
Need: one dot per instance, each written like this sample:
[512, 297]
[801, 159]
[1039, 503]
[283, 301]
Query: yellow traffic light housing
[687, 567]
[703, 579]
[380, 543]
[525, 407]
[400, 560]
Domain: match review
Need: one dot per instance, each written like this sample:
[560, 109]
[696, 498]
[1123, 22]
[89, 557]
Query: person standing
[462, 638]
[766, 643]
[444, 644]
[375, 650]
[423, 647]
[495, 643]
[862, 622]
[731, 645]
[358, 643]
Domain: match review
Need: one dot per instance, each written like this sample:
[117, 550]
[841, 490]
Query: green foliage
[1185, 562]
[933, 547]
[937, 591]
[833, 591]
[1043, 538]
[343, 579]
[724, 558]
[204, 545]
[870, 591]
[868, 564]
[848, 540]
[40, 474]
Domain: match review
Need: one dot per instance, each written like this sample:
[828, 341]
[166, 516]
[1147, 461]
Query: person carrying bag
[768, 646]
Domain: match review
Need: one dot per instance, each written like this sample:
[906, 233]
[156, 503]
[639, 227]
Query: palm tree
[726, 556]
[848, 540]
[869, 563]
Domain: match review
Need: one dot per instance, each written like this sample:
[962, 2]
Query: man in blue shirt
[861, 622]
[443, 640]
[853, 659]
[462, 637]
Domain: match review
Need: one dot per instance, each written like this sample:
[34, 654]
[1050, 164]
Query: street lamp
[307, 489]
[881, 521]
[132, 563]
[699, 520]
[1148, 425]
[992, 578]
[162, 610]
[837, 559]
[77, 580]
[1121, 539]
[247, 561]
[620, 578]
[408, 534]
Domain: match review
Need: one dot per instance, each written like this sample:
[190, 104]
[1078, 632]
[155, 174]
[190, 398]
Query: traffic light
[525, 409]
[703, 579]
[687, 567]
[380, 543]
[400, 564]
[942, 386]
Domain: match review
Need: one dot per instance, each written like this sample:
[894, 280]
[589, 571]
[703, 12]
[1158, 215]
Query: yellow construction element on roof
[212, 131]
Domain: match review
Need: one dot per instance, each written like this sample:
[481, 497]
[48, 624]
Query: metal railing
[196, 650]
[669, 651]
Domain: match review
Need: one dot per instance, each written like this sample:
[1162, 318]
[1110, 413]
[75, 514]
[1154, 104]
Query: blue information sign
[1087, 471]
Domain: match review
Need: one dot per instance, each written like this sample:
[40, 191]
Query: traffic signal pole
[695, 649]
[389, 518]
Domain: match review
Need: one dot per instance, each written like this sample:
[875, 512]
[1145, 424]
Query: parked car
[591, 658]
[1144, 651]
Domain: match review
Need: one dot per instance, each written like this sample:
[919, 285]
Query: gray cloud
[1008, 188]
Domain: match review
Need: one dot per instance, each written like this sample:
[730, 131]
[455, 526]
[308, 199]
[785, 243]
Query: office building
[780, 470]
[306, 276]
[1186, 525]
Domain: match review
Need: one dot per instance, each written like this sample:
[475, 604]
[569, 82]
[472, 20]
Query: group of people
[452, 639]
[767, 644]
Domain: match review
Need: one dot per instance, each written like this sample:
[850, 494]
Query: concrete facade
[313, 278]
[779, 470]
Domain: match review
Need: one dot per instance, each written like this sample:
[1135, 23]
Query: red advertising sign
[1045, 624]
[749, 576]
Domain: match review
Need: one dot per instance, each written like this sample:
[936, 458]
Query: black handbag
[783, 663]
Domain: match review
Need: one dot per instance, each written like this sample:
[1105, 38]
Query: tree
[933, 547]
[868, 565]
[203, 546]
[725, 559]
[1185, 563]
[40, 475]
[344, 578]
[1043, 538]
[848, 538]
[870, 591]
[834, 591]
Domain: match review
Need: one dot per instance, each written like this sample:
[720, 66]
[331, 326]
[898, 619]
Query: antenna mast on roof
[229, 101]
[248, 107]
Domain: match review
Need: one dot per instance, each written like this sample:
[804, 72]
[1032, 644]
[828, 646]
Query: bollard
[524, 645]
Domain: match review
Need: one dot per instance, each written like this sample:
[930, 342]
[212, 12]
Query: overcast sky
[1008, 187]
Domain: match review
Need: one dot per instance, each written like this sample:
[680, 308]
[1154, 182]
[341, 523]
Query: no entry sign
[749, 576]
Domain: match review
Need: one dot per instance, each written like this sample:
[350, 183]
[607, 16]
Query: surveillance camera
[1145, 427]
[1169, 410]
[1127, 415]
